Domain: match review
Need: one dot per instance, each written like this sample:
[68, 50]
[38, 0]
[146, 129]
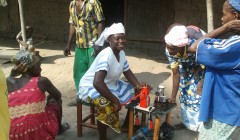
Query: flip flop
[63, 128]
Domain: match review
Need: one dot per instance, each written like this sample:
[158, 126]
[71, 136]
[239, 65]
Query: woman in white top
[102, 86]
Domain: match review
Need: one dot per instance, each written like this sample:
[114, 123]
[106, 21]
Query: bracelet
[136, 87]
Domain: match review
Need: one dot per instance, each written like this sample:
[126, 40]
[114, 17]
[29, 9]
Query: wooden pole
[125, 13]
[157, 128]
[209, 15]
[168, 118]
[22, 20]
[130, 127]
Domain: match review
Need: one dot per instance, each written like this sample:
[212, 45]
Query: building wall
[49, 18]
[192, 12]
[146, 21]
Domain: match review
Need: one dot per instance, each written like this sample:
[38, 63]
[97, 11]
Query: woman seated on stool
[31, 117]
[102, 86]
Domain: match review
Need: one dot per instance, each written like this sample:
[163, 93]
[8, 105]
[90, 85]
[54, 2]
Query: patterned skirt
[189, 117]
[105, 113]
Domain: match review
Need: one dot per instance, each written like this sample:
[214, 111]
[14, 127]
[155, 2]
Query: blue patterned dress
[190, 75]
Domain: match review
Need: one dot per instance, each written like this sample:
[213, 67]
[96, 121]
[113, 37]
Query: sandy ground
[58, 69]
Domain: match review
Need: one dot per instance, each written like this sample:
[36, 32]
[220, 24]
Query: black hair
[171, 26]
[233, 10]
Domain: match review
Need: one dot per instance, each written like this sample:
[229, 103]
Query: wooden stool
[166, 111]
[82, 122]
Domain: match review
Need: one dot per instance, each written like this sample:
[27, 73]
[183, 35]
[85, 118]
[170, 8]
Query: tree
[210, 25]
[22, 20]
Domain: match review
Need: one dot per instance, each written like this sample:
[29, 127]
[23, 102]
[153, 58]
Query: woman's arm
[46, 85]
[18, 36]
[219, 31]
[10, 83]
[102, 88]
[176, 80]
[131, 78]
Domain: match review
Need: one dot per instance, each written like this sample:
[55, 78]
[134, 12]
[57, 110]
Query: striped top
[86, 22]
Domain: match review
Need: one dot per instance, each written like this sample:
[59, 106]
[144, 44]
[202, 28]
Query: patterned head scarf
[177, 36]
[115, 28]
[23, 61]
[235, 4]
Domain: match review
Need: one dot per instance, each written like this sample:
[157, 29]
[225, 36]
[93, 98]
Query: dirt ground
[58, 69]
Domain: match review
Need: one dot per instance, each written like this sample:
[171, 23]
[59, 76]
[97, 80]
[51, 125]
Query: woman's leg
[126, 122]
[102, 130]
[56, 106]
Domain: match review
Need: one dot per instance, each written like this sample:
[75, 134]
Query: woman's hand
[17, 70]
[234, 25]
[140, 86]
[117, 106]
[171, 100]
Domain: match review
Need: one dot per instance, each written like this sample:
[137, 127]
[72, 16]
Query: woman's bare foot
[124, 128]
[63, 128]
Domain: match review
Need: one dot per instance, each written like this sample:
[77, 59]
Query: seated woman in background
[31, 117]
[102, 86]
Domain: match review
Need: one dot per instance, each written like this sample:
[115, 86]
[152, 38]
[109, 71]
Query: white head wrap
[177, 36]
[116, 28]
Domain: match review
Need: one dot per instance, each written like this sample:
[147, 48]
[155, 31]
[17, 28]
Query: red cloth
[31, 119]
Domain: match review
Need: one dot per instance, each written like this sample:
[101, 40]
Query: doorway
[113, 11]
